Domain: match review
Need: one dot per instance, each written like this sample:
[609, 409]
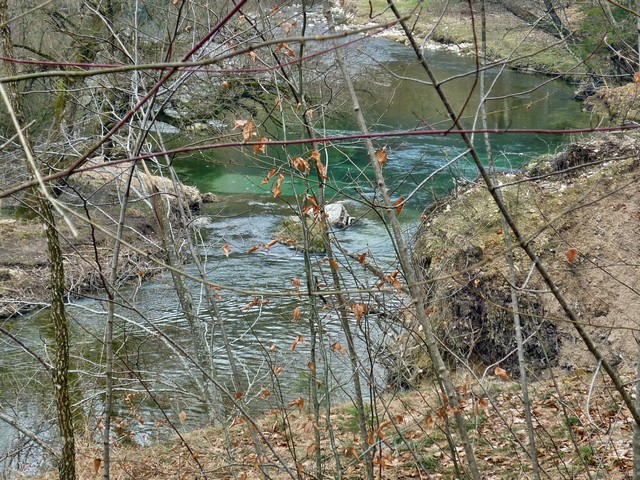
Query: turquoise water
[247, 215]
[391, 104]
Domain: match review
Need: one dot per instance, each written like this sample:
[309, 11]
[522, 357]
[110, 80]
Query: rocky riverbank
[94, 198]
[581, 211]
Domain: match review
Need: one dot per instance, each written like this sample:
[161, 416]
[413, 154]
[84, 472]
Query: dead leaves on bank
[415, 418]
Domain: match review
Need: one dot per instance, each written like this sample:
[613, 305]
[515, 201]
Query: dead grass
[410, 439]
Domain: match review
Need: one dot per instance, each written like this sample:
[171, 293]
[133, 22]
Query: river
[246, 215]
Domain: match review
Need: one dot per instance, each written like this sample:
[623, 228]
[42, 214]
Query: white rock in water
[338, 216]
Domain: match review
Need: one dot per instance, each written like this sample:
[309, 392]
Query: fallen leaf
[311, 366]
[502, 373]
[296, 314]
[311, 449]
[265, 393]
[253, 249]
[297, 402]
[572, 254]
[226, 248]
[97, 463]
[239, 395]
[270, 244]
[183, 416]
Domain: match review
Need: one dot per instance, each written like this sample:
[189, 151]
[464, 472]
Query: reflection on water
[151, 371]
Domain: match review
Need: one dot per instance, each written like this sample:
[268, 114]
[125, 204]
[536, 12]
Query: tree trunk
[66, 461]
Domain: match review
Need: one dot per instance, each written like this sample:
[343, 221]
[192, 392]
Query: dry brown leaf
[359, 309]
[265, 393]
[226, 248]
[253, 249]
[270, 244]
[502, 373]
[239, 395]
[260, 147]
[636, 77]
[381, 156]
[301, 164]
[362, 258]
[248, 129]
[183, 416]
[295, 343]
[311, 366]
[277, 190]
[309, 426]
[270, 174]
[322, 169]
[296, 314]
[336, 347]
[572, 254]
[311, 449]
[284, 48]
[296, 284]
[297, 402]
[399, 204]
[97, 463]
[251, 304]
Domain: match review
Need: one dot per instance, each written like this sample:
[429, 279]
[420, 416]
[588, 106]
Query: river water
[153, 378]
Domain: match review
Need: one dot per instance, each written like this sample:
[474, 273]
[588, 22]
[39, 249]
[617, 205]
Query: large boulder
[337, 215]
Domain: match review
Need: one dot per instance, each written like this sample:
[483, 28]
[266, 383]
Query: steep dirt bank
[24, 265]
[581, 211]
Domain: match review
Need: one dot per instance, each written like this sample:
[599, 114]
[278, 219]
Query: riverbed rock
[290, 231]
[337, 215]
